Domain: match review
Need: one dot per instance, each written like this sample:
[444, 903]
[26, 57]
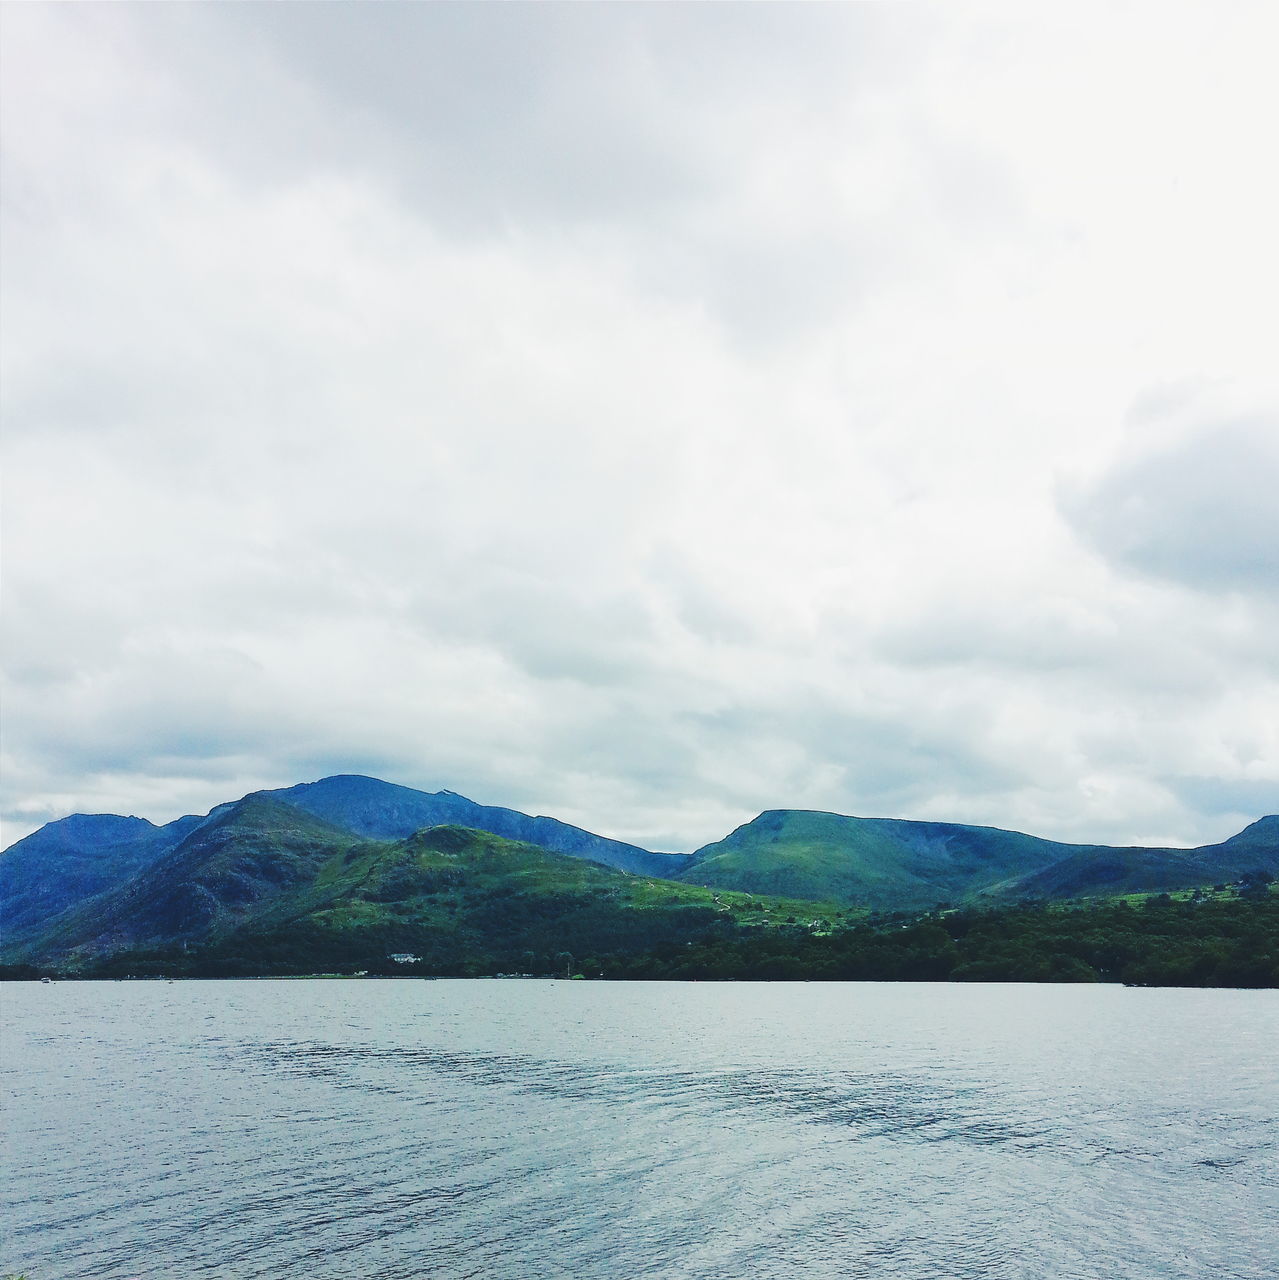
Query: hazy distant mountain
[893, 864]
[1094, 870]
[75, 858]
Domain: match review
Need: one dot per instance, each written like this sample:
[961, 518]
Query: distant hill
[370, 807]
[373, 861]
[74, 858]
[226, 870]
[1096, 870]
[457, 897]
[265, 887]
[897, 865]
[69, 861]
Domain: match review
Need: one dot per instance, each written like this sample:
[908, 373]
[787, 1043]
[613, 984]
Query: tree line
[1206, 942]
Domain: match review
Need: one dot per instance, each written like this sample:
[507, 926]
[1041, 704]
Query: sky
[646, 415]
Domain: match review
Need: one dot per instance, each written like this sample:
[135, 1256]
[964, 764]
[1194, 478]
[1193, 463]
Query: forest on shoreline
[1157, 941]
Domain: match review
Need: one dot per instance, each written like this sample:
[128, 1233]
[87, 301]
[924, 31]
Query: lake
[523, 1130]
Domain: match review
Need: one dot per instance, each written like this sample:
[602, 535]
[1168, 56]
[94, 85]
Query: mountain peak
[96, 828]
[386, 811]
[264, 811]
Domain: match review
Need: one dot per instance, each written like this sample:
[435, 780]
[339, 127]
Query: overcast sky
[645, 415]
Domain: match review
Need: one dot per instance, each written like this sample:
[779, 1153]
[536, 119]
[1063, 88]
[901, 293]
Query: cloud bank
[644, 414]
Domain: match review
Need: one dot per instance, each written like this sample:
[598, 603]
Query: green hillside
[889, 864]
[881, 863]
[69, 861]
[1099, 871]
[263, 886]
[268, 889]
[469, 901]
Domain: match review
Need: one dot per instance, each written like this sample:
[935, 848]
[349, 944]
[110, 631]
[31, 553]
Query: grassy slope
[881, 863]
[1117, 871]
[471, 889]
[264, 869]
[268, 881]
[890, 864]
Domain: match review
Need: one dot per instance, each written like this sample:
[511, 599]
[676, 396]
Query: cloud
[1238, 802]
[645, 415]
[1199, 510]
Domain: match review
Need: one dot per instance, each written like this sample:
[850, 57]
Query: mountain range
[358, 863]
[891, 864]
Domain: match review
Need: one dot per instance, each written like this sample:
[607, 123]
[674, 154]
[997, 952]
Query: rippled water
[528, 1130]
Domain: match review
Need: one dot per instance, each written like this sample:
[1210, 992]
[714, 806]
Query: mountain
[458, 898]
[73, 859]
[883, 863]
[382, 810]
[225, 871]
[1095, 871]
[897, 865]
[1262, 836]
[360, 852]
[266, 887]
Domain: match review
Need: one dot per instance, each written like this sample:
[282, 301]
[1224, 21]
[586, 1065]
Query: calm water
[528, 1130]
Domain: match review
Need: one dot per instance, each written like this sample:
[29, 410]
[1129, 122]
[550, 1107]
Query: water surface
[525, 1130]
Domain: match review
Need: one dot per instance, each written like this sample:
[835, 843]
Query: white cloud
[642, 415]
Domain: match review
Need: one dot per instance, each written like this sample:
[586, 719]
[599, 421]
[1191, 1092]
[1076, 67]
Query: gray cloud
[645, 415]
[1239, 801]
[688, 144]
[489, 120]
[1201, 512]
